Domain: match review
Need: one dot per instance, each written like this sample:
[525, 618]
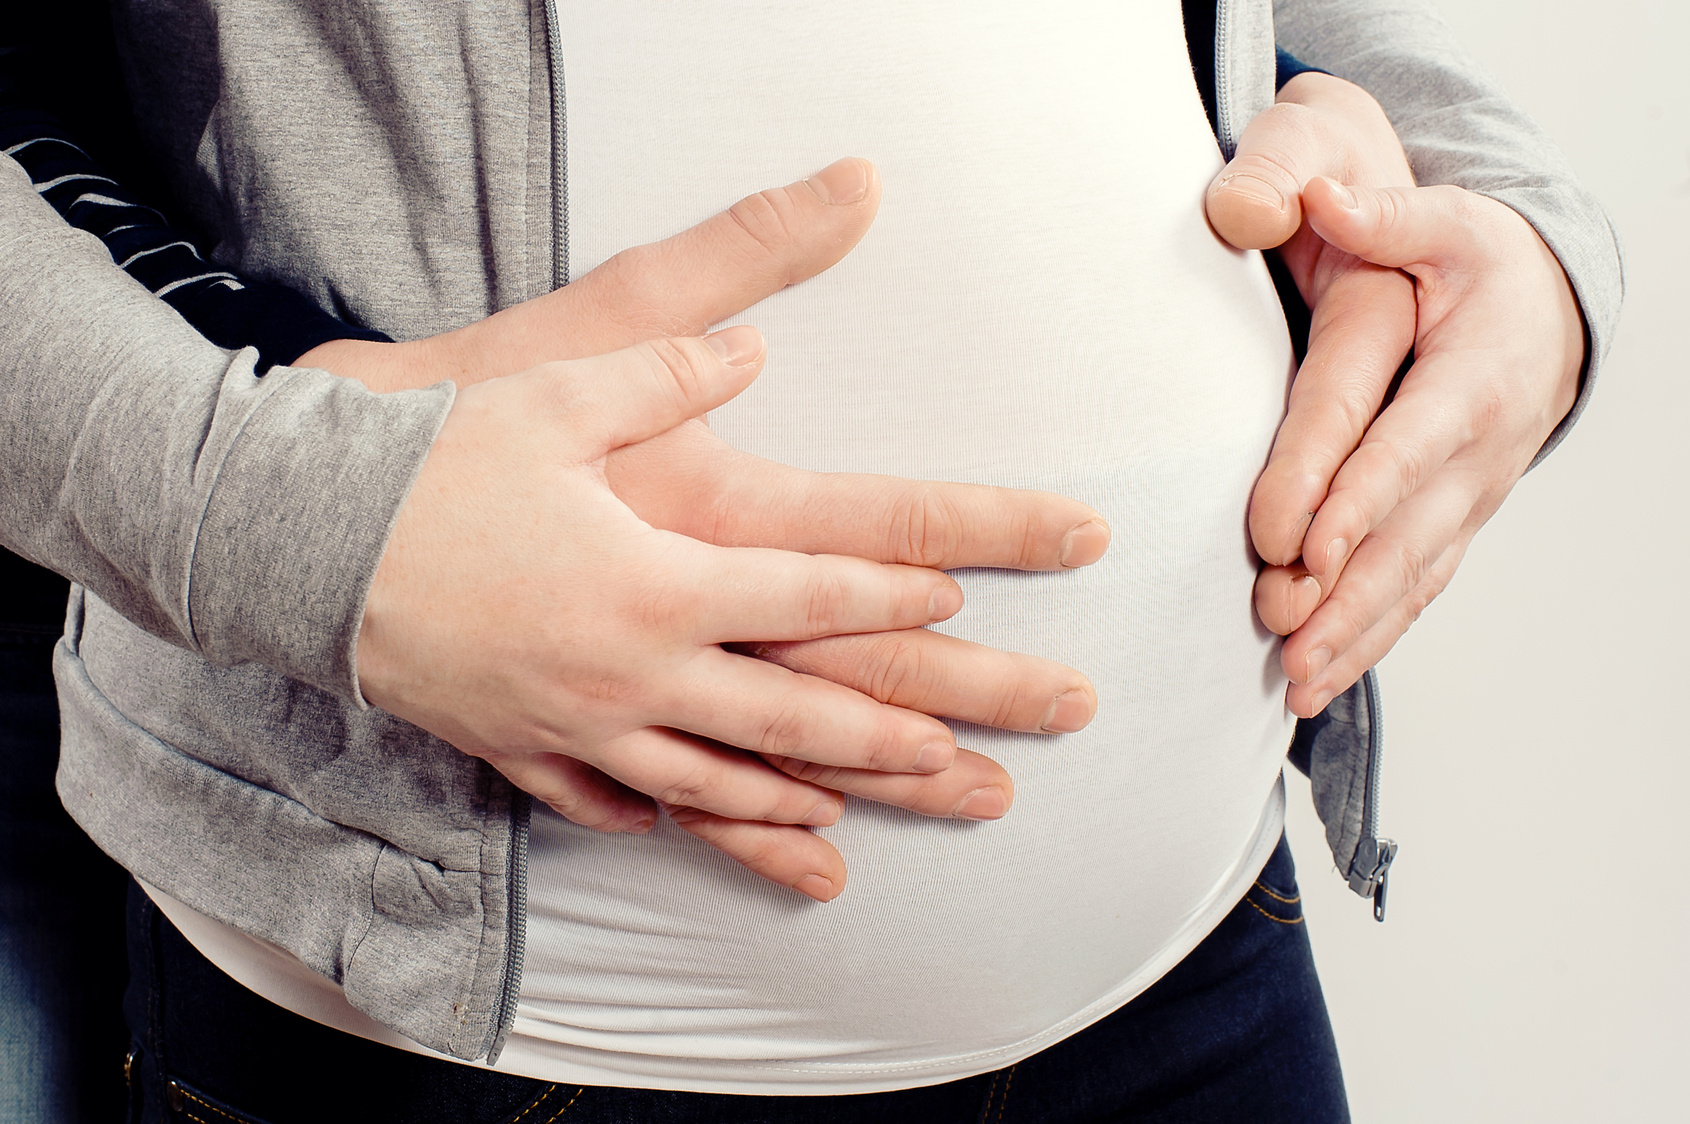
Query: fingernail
[1084, 544]
[1317, 661]
[945, 603]
[935, 757]
[1335, 552]
[1069, 712]
[738, 345]
[1318, 703]
[816, 887]
[641, 826]
[825, 814]
[982, 804]
[1256, 188]
[1305, 590]
[841, 182]
[1346, 197]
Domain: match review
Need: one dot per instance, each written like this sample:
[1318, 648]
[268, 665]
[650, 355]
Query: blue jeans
[62, 965]
[1237, 1032]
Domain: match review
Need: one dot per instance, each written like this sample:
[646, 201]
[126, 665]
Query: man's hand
[687, 481]
[1362, 515]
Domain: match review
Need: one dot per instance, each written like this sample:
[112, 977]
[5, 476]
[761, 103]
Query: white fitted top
[1041, 304]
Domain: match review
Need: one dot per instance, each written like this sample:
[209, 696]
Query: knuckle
[705, 825]
[1460, 204]
[627, 291]
[690, 789]
[1412, 563]
[885, 752]
[786, 729]
[606, 691]
[664, 607]
[1007, 707]
[926, 533]
[828, 776]
[1354, 617]
[1425, 593]
[1344, 512]
[1393, 207]
[1353, 408]
[1407, 464]
[766, 218]
[761, 852]
[826, 602]
[1491, 411]
[673, 363]
[897, 669]
[1272, 136]
[1269, 164]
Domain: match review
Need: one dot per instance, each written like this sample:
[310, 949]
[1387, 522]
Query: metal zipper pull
[1381, 876]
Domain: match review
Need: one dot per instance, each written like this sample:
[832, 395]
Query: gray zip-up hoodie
[399, 161]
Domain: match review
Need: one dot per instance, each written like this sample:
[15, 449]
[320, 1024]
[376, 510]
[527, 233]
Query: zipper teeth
[516, 923]
[560, 151]
[1223, 92]
[1375, 751]
[516, 879]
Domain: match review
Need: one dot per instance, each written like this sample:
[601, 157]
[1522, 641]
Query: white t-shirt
[1039, 304]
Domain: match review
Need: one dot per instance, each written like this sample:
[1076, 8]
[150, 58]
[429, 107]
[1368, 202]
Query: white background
[1534, 964]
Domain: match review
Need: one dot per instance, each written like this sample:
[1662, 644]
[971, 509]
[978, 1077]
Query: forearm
[239, 517]
[1459, 127]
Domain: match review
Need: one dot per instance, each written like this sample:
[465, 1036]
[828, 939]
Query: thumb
[628, 396]
[1253, 202]
[1396, 227]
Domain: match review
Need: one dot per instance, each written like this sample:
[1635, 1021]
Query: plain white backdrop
[1535, 965]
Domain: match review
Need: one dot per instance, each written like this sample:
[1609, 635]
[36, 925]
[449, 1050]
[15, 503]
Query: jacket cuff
[1564, 219]
[1287, 66]
[1459, 127]
[298, 517]
[281, 323]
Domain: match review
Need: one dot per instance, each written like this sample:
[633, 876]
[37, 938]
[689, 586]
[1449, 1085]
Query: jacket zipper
[516, 923]
[1370, 875]
[560, 151]
[516, 877]
[1223, 92]
[1226, 127]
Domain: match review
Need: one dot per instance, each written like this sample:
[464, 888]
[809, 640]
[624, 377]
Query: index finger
[726, 264]
[1432, 417]
[914, 522]
[1361, 329]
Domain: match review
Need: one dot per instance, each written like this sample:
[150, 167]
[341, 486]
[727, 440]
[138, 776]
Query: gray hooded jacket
[400, 162]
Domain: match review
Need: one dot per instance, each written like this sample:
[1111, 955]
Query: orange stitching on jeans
[1298, 920]
[1276, 897]
[550, 1089]
[1008, 1081]
[210, 1106]
[565, 1108]
[991, 1095]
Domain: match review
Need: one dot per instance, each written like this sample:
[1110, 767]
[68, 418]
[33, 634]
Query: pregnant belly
[1039, 304]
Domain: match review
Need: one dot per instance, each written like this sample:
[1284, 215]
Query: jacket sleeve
[228, 309]
[239, 517]
[1459, 127]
